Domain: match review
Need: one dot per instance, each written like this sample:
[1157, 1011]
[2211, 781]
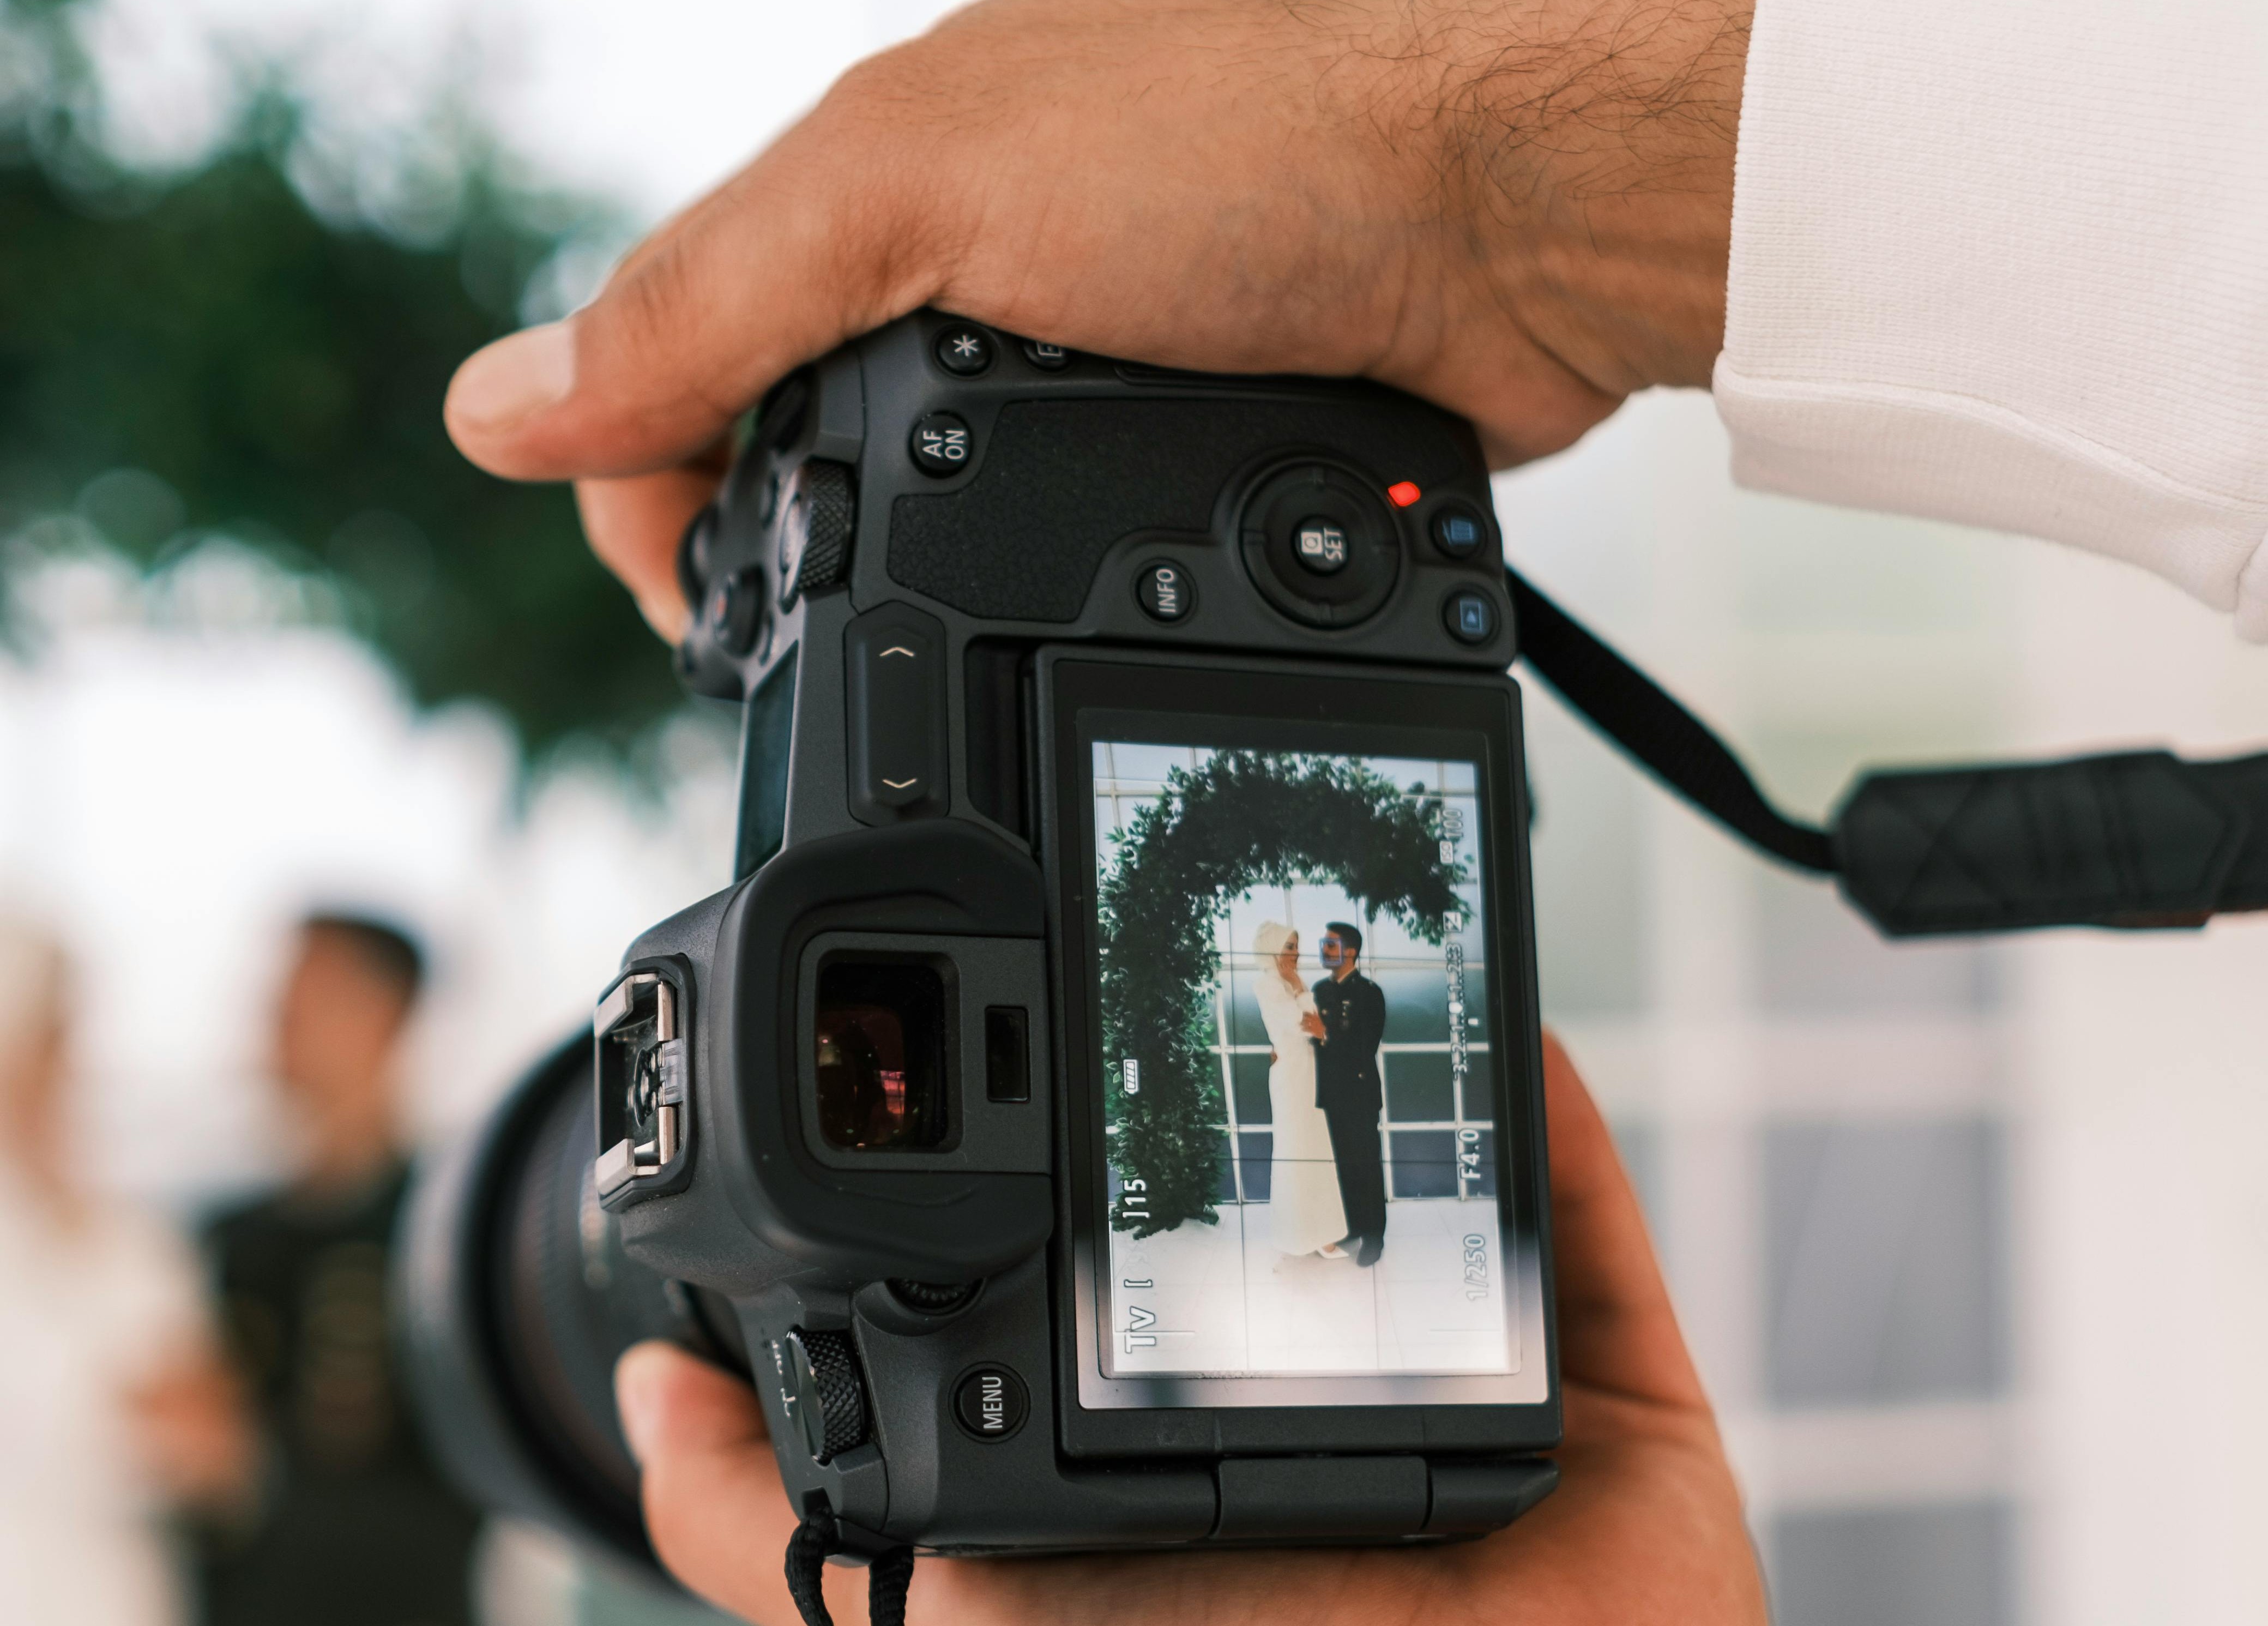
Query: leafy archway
[1243, 818]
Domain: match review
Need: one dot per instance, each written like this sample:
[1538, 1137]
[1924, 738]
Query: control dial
[811, 525]
[820, 1389]
[1321, 543]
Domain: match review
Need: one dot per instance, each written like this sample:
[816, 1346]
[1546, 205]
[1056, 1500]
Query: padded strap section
[2140, 839]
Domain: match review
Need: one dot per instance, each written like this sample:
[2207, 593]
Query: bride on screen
[1303, 1192]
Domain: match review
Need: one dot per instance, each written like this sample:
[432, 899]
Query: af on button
[990, 1403]
[942, 444]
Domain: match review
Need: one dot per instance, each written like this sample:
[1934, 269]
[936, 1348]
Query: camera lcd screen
[1299, 1065]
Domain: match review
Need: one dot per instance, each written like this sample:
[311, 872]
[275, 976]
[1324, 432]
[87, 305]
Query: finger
[1616, 1328]
[633, 525]
[714, 1505]
[821, 238]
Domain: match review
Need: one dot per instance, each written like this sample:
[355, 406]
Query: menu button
[990, 1403]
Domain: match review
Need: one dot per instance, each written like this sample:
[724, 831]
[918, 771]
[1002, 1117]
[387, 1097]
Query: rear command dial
[1321, 543]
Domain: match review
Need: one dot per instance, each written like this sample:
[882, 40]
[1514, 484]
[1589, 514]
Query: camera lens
[517, 1298]
[878, 1051]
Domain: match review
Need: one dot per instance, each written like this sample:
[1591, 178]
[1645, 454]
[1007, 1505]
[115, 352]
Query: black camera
[1105, 1109]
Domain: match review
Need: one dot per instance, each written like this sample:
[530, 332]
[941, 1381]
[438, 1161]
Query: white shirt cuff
[2005, 262]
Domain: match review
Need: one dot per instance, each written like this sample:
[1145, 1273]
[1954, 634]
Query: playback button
[1469, 616]
[1166, 591]
[990, 1403]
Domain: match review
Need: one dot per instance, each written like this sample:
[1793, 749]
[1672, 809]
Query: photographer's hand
[1646, 1525]
[1520, 210]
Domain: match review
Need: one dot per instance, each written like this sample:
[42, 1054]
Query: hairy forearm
[1581, 165]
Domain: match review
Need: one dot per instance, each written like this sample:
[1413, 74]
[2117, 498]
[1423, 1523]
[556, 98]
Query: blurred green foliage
[280, 372]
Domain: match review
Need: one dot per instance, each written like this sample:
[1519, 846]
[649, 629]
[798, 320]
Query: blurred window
[1887, 1257]
[1946, 1566]
[1816, 956]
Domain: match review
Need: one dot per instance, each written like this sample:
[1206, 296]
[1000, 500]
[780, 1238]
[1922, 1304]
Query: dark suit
[361, 1529]
[1351, 1092]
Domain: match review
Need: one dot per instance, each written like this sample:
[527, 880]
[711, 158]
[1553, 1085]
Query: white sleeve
[2005, 262]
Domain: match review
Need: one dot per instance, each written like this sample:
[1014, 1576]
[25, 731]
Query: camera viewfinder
[879, 1052]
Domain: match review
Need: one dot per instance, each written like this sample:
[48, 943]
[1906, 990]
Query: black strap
[2134, 840]
[888, 1575]
[1661, 735]
[2131, 839]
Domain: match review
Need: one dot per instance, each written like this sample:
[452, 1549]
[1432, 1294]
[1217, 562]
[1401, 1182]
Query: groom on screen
[1349, 1089]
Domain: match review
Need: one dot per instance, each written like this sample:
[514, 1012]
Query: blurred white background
[1969, 1239]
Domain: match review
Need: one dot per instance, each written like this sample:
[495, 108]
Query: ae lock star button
[964, 350]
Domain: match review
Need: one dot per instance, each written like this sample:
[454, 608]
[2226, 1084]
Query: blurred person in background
[113, 1401]
[355, 1527]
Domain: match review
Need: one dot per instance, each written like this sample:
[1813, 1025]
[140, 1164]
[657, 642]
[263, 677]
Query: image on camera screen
[1299, 1118]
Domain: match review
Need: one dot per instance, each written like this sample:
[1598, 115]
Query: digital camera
[1105, 1109]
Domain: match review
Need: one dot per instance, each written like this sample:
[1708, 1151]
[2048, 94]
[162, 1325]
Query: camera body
[989, 1117]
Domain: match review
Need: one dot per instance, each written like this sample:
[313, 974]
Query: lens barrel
[515, 1298]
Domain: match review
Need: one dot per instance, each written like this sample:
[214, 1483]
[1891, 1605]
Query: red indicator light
[1403, 492]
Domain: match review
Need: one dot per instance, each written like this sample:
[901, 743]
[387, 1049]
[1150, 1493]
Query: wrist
[1583, 160]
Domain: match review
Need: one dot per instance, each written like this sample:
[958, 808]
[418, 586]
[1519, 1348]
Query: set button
[1319, 546]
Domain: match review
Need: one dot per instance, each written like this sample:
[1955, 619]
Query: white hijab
[1269, 942]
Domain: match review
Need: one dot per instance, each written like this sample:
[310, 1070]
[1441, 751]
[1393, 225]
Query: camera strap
[2133, 840]
[887, 1576]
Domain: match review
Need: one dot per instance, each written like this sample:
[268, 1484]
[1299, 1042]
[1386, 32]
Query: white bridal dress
[1303, 1192]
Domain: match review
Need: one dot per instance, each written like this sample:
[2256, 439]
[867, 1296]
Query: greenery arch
[1241, 819]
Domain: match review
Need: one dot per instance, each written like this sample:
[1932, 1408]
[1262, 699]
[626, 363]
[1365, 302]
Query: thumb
[819, 240]
[1618, 1330]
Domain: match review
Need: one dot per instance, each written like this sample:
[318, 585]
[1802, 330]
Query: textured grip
[1061, 481]
[818, 510]
[2138, 840]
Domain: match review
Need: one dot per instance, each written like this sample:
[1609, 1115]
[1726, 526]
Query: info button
[1164, 591]
[991, 1402]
